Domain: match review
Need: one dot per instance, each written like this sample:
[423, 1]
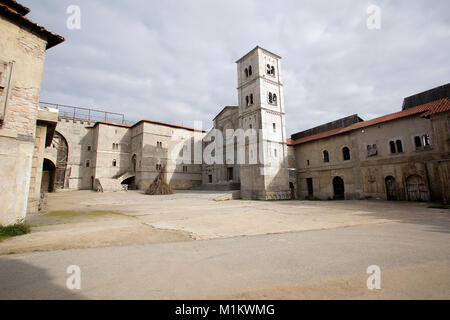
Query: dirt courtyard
[86, 219]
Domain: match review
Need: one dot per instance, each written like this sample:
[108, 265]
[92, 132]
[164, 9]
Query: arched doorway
[391, 191]
[48, 176]
[130, 183]
[416, 189]
[133, 163]
[338, 188]
[62, 152]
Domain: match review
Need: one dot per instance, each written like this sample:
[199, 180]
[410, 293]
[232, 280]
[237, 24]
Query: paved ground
[187, 216]
[414, 259]
[243, 249]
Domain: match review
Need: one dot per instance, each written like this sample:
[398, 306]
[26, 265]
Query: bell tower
[261, 107]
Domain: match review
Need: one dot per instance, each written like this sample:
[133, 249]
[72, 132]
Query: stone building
[105, 155]
[25, 129]
[400, 156]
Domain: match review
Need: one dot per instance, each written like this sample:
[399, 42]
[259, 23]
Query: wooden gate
[338, 188]
[416, 188]
[60, 144]
[391, 192]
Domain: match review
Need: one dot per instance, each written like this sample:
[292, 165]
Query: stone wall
[17, 132]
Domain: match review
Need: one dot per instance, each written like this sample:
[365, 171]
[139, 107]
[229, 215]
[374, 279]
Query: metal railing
[80, 113]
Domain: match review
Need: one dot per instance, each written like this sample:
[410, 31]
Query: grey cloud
[173, 61]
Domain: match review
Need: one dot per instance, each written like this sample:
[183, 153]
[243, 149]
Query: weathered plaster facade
[22, 53]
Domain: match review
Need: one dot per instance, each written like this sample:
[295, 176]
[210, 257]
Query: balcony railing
[80, 113]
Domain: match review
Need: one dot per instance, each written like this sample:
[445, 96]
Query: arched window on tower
[268, 69]
[246, 72]
[251, 98]
[249, 70]
[270, 97]
[247, 101]
[274, 98]
[272, 70]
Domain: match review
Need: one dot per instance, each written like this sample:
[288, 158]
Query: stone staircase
[108, 185]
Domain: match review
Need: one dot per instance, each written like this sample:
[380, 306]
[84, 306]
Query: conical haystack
[159, 185]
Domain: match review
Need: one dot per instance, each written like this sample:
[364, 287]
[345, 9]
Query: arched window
[251, 98]
[246, 101]
[246, 72]
[346, 153]
[114, 163]
[417, 142]
[272, 70]
[249, 70]
[392, 146]
[268, 69]
[326, 156]
[274, 98]
[270, 97]
[399, 145]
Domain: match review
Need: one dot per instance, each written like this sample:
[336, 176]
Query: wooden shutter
[6, 70]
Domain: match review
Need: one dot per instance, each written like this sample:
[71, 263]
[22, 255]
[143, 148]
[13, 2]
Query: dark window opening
[346, 153]
[251, 98]
[392, 146]
[246, 72]
[326, 156]
[399, 146]
[250, 70]
[210, 178]
[417, 142]
[114, 163]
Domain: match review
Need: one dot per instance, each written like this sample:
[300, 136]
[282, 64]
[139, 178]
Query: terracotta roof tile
[427, 109]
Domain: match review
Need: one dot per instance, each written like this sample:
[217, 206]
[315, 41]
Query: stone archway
[338, 188]
[48, 176]
[416, 189]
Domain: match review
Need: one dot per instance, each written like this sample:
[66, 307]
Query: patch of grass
[13, 231]
[73, 214]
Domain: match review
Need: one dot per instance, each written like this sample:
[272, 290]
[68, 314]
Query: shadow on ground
[21, 280]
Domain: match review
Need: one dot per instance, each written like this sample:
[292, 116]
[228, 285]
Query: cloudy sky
[174, 61]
